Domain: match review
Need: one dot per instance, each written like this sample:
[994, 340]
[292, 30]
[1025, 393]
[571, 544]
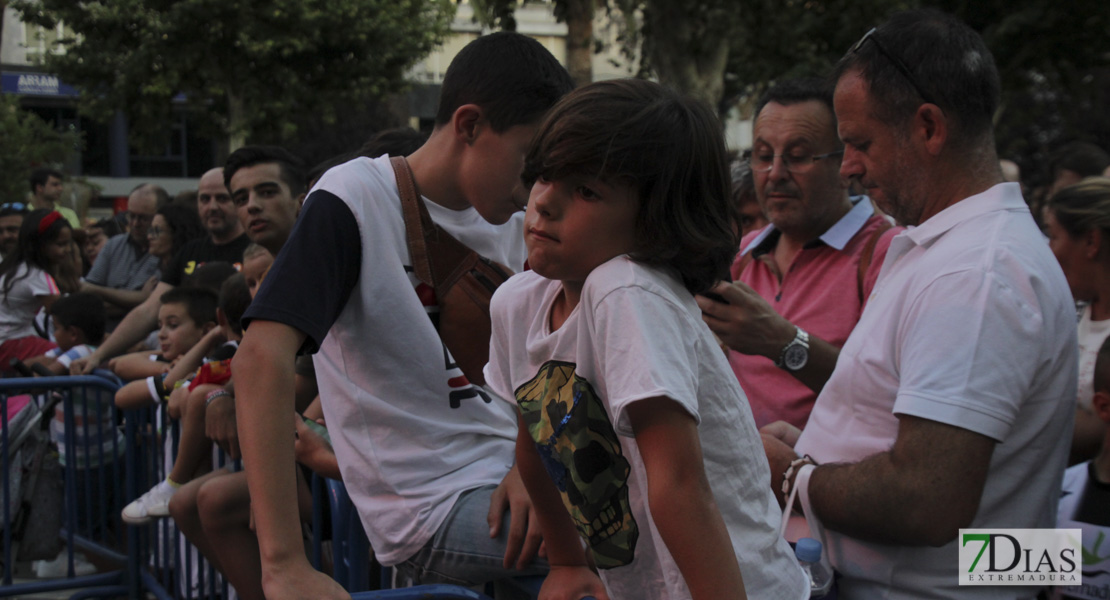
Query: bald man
[225, 242]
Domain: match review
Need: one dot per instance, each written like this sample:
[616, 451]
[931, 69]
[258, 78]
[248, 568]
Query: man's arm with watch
[748, 325]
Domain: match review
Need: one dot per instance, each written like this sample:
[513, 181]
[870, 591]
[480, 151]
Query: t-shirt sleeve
[497, 369]
[42, 284]
[646, 351]
[968, 353]
[315, 272]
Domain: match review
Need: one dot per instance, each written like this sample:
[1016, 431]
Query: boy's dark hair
[948, 62]
[84, 311]
[211, 275]
[40, 175]
[292, 168]
[1102, 367]
[670, 149]
[200, 303]
[1083, 158]
[235, 297]
[796, 91]
[512, 77]
[110, 227]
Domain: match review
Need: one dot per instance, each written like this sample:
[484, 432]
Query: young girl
[633, 429]
[27, 283]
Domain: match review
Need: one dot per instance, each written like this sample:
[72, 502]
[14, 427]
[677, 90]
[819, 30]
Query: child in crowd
[256, 262]
[186, 402]
[79, 321]
[187, 314]
[1085, 503]
[632, 428]
[27, 283]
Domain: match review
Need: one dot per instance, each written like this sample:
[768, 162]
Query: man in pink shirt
[801, 282]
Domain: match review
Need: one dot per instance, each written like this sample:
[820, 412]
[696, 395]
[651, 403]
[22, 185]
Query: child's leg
[224, 508]
[185, 511]
[192, 447]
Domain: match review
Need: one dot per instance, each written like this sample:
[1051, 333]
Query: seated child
[1085, 503]
[632, 428]
[189, 408]
[185, 317]
[79, 321]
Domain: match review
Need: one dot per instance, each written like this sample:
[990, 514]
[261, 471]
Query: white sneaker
[59, 567]
[152, 505]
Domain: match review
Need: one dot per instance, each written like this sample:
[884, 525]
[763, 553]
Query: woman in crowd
[173, 225]
[27, 283]
[1077, 220]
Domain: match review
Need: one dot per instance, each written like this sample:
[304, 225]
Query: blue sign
[35, 84]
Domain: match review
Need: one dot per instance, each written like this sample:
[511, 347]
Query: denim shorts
[461, 552]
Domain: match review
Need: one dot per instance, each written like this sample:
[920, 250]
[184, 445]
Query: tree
[28, 142]
[246, 66]
[578, 16]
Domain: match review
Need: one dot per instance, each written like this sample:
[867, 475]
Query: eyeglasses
[763, 162]
[901, 66]
[156, 231]
[18, 206]
[139, 218]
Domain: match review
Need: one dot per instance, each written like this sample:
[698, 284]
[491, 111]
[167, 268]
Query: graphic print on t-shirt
[461, 388]
[582, 454]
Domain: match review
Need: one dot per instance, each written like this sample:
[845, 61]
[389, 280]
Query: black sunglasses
[897, 62]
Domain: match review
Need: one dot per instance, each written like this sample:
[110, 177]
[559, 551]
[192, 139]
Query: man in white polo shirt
[951, 403]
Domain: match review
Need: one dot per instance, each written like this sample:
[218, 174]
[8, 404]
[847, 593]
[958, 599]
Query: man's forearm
[819, 367]
[133, 328]
[918, 493]
[263, 370]
[126, 299]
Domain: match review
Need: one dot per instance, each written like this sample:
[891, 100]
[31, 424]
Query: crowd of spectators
[910, 344]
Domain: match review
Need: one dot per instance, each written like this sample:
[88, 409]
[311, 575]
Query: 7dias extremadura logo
[1020, 557]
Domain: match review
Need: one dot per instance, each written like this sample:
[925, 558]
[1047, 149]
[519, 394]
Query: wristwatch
[795, 355]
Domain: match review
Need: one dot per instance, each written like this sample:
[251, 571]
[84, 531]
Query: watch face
[796, 357]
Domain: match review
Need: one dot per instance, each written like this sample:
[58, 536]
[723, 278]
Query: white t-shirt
[970, 324]
[1091, 334]
[1085, 504]
[636, 334]
[18, 308]
[410, 432]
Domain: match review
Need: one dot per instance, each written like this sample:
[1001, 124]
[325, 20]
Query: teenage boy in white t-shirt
[421, 449]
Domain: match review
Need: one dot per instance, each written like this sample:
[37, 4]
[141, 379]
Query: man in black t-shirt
[225, 241]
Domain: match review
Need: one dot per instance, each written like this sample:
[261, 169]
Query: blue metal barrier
[167, 564]
[79, 412]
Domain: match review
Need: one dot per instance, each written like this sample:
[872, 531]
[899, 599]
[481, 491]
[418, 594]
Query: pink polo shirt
[818, 292]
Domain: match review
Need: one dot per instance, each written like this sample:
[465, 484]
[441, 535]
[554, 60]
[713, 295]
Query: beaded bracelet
[794, 466]
[215, 394]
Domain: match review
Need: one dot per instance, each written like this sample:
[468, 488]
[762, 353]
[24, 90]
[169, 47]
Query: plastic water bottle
[808, 551]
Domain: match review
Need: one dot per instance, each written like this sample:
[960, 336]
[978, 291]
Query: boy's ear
[77, 333]
[467, 122]
[1101, 405]
[221, 318]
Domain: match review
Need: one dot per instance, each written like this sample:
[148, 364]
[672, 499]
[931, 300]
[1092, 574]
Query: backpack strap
[417, 220]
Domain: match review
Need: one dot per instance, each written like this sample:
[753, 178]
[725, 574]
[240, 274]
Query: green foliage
[28, 142]
[247, 66]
